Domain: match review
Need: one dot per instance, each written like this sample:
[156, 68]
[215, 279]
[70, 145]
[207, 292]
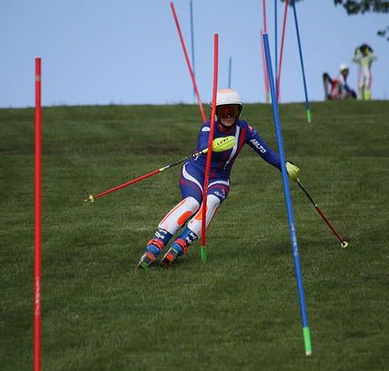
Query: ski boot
[154, 248]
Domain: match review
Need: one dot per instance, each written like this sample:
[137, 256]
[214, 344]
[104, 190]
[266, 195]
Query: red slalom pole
[38, 218]
[267, 87]
[282, 49]
[188, 63]
[210, 140]
[264, 16]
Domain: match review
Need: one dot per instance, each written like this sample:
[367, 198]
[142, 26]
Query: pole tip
[344, 244]
[90, 198]
[307, 341]
[203, 255]
[309, 116]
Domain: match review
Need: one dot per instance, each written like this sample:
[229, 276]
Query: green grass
[240, 310]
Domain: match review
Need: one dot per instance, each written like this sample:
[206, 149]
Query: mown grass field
[240, 310]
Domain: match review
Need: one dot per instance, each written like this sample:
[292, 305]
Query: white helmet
[227, 96]
[343, 67]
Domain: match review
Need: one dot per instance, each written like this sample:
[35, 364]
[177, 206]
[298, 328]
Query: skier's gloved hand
[292, 170]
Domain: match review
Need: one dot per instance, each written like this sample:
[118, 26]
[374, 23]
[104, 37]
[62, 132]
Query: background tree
[366, 6]
[353, 7]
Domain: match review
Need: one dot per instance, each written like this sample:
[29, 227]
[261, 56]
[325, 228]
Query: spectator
[338, 88]
[364, 56]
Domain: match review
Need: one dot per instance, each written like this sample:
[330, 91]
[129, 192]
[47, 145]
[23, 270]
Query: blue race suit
[192, 174]
[189, 210]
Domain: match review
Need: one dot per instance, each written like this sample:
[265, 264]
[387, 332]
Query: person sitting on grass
[338, 88]
[188, 210]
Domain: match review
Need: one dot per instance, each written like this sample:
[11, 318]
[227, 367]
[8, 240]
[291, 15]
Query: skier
[364, 56]
[228, 110]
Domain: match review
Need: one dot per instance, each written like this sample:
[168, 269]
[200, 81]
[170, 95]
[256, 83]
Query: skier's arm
[259, 145]
[272, 157]
[203, 137]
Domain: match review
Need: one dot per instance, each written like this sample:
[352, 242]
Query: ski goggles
[228, 110]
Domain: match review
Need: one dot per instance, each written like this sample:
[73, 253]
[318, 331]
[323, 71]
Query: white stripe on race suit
[189, 177]
[235, 146]
[227, 183]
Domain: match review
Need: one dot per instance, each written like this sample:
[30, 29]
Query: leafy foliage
[364, 6]
[354, 7]
[383, 33]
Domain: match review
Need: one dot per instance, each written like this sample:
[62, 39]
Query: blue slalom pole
[229, 72]
[288, 201]
[193, 50]
[301, 60]
[275, 42]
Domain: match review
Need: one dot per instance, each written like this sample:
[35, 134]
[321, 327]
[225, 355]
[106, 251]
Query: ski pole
[218, 145]
[343, 242]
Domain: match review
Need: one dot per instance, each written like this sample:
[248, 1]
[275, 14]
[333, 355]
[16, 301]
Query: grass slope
[240, 310]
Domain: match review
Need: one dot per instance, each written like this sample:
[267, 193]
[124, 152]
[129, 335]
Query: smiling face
[228, 113]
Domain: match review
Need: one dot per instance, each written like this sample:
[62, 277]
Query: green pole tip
[203, 254]
[307, 341]
[309, 116]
